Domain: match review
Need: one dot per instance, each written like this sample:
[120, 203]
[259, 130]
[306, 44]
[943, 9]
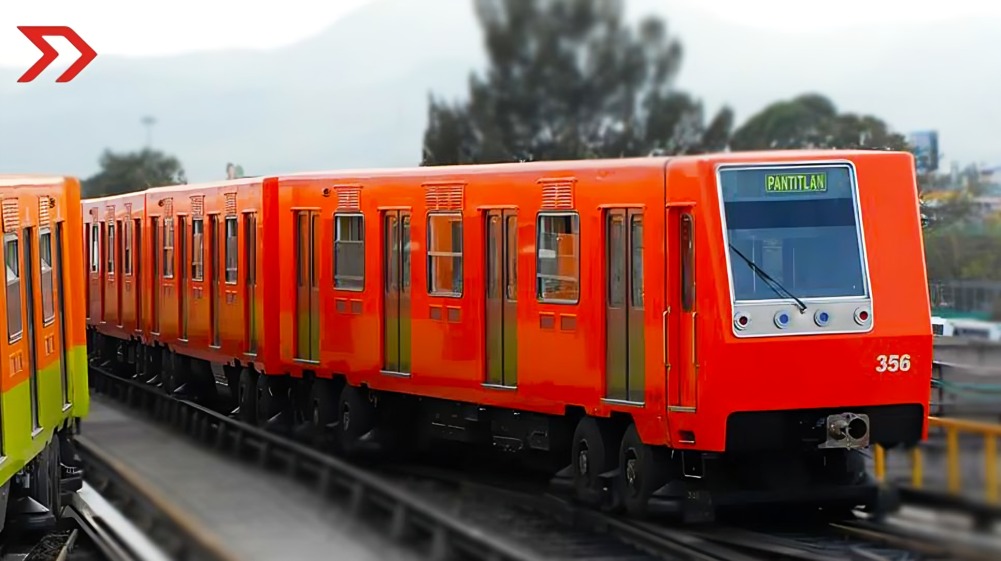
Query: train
[684, 333]
[44, 387]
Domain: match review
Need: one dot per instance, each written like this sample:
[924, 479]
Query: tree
[812, 121]
[568, 80]
[133, 171]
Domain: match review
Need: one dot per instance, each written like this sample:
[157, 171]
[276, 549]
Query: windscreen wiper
[772, 283]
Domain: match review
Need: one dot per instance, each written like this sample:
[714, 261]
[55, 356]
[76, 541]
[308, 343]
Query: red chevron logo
[37, 35]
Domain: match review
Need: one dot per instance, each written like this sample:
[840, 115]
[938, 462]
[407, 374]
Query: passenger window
[231, 255]
[197, 250]
[13, 288]
[110, 248]
[445, 255]
[349, 251]
[557, 259]
[687, 239]
[45, 260]
[127, 248]
[168, 248]
[95, 249]
[636, 262]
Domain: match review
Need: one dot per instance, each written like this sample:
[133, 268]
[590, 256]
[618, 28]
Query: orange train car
[692, 330]
[43, 387]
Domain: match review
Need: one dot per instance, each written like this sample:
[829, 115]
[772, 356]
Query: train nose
[847, 430]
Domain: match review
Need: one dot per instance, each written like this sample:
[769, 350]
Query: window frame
[50, 285]
[13, 336]
[167, 244]
[576, 227]
[687, 265]
[360, 281]
[127, 226]
[109, 244]
[198, 250]
[95, 247]
[227, 249]
[432, 255]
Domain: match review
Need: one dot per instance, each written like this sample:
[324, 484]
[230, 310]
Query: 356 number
[893, 363]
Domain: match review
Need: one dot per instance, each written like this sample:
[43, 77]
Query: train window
[197, 250]
[110, 249]
[445, 255]
[95, 249]
[557, 260]
[168, 248]
[45, 262]
[349, 251]
[636, 262]
[231, 255]
[10, 256]
[687, 263]
[127, 235]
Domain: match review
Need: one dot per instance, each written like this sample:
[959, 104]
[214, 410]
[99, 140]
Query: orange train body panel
[602, 285]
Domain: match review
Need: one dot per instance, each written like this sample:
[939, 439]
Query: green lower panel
[19, 445]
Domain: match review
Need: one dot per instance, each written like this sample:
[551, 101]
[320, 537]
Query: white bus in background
[975, 329]
[942, 327]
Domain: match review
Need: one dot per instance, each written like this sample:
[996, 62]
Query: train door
[679, 319]
[102, 271]
[156, 289]
[60, 303]
[31, 329]
[396, 292]
[624, 322]
[135, 251]
[215, 286]
[119, 277]
[307, 288]
[250, 302]
[182, 278]
[502, 298]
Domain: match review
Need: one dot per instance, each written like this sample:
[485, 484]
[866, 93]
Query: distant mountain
[356, 94]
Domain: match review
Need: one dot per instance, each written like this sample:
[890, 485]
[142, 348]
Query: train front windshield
[795, 225]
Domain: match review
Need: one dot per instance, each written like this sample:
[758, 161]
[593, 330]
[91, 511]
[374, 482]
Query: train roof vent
[444, 196]
[557, 193]
[197, 205]
[348, 197]
[11, 219]
[43, 212]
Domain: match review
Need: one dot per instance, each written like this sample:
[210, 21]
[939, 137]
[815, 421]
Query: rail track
[445, 515]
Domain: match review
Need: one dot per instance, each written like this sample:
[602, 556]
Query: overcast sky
[128, 27]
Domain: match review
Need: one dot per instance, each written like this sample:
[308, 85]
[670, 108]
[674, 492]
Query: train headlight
[863, 315]
[821, 318]
[782, 319]
[741, 320]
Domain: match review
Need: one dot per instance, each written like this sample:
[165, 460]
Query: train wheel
[324, 402]
[594, 452]
[269, 403]
[643, 470]
[357, 418]
[246, 396]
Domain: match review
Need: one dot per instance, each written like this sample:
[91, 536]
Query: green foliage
[569, 80]
[133, 171]
[812, 121]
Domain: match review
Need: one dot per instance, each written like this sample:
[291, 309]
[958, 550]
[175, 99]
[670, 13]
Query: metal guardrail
[985, 505]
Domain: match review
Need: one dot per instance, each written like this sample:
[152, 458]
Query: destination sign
[795, 182]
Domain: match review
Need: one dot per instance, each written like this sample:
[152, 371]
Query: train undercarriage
[601, 461]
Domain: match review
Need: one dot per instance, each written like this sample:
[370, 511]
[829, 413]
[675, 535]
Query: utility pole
[148, 121]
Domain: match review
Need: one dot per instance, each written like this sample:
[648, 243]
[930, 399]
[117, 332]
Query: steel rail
[406, 517]
[108, 529]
